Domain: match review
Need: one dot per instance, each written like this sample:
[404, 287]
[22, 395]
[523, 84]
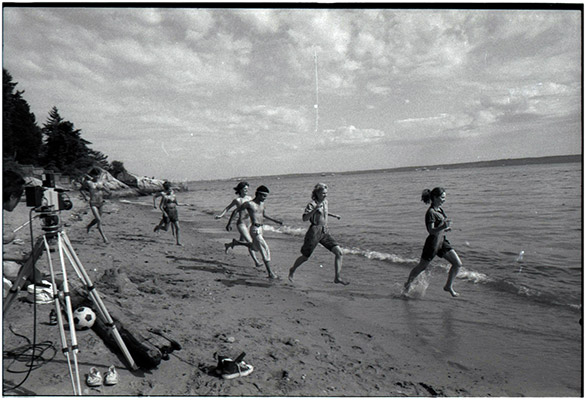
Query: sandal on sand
[230, 369]
[94, 378]
[111, 376]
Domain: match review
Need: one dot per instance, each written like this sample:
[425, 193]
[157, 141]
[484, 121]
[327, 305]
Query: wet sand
[311, 338]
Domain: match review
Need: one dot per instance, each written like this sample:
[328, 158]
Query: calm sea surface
[527, 308]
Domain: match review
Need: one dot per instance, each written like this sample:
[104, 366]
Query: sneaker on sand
[111, 377]
[230, 369]
[94, 378]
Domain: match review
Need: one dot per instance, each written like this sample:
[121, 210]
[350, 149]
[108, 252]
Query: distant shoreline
[475, 164]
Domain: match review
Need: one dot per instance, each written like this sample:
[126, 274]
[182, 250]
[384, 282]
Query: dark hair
[317, 188]
[12, 184]
[240, 186]
[166, 185]
[428, 195]
[262, 189]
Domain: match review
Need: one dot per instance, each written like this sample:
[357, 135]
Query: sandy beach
[302, 339]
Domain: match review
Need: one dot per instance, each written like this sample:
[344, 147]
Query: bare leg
[97, 211]
[175, 226]
[269, 271]
[422, 266]
[245, 236]
[300, 260]
[453, 258]
[338, 266]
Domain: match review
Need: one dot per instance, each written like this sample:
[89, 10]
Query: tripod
[64, 247]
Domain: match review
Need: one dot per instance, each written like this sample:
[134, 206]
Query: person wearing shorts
[257, 212]
[436, 243]
[316, 212]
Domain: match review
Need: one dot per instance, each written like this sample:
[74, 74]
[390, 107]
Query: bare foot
[340, 281]
[291, 275]
[452, 291]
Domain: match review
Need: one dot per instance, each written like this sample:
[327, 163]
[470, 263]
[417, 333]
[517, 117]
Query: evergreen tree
[65, 150]
[21, 136]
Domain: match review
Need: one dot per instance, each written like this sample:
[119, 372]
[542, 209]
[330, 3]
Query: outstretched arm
[334, 215]
[229, 206]
[241, 207]
[277, 221]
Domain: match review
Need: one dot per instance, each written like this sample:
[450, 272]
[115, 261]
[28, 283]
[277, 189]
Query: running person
[317, 213]
[242, 191]
[168, 206]
[164, 223]
[256, 211]
[436, 243]
[91, 183]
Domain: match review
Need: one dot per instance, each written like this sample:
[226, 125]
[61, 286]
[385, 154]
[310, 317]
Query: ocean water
[517, 230]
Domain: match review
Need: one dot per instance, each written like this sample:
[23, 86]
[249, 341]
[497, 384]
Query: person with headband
[317, 213]
[242, 191]
[257, 212]
[436, 243]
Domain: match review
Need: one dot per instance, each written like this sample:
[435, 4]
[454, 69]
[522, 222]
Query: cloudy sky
[216, 93]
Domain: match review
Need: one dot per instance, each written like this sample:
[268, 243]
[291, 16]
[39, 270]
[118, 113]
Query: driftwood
[147, 346]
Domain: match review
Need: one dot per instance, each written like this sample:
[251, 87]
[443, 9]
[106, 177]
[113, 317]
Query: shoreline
[311, 338]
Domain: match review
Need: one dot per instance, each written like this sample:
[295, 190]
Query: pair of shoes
[230, 369]
[94, 378]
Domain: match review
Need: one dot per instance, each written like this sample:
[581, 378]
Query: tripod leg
[96, 299]
[69, 313]
[64, 347]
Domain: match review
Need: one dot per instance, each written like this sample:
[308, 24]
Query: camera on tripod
[48, 201]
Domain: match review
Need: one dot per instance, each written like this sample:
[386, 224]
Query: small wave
[377, 255]
[287, 230]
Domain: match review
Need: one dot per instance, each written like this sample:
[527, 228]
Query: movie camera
[48, 201]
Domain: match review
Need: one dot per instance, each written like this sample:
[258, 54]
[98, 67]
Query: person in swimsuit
[436, 243]
[92, 184]
[257, 213]
[317, 213]
[168, 206]
[164, 223]
[242, 191]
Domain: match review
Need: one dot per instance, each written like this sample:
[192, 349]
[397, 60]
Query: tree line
[56, 146]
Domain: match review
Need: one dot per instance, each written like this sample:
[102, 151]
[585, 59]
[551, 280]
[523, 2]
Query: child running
[242, 191]
[317, 213]
[256, 211]
[92, 184]
[168, 206]
[436, 243]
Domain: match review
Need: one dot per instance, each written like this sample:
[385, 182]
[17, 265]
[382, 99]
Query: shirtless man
[317, 213]
[256, 211]
[92, 185]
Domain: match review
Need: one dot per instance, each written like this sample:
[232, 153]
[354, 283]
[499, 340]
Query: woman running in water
[242, 191]
[436, 243]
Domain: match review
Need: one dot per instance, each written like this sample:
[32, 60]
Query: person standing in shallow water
[242, 191]
[436, 243]
[317, 213]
